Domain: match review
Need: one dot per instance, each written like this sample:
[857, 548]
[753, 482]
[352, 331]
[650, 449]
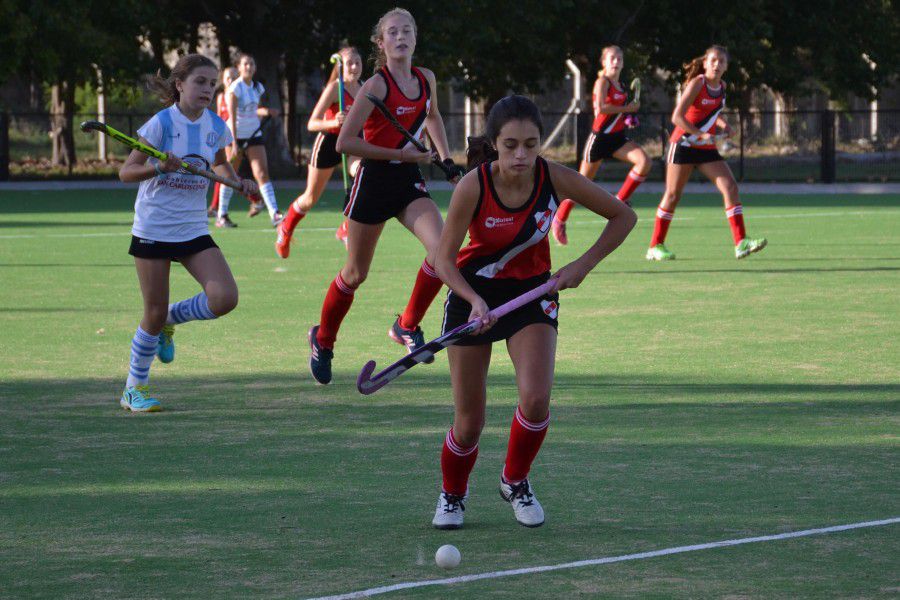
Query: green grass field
[700, 400]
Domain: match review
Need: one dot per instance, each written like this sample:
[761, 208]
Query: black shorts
[324, 153]
[381, 190]
[686, 155]
[600, 146]
[144, 248]
[254, 141]
[496, 292]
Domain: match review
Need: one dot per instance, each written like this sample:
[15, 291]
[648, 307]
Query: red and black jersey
[411, 112]
[335, 108]
[507, 243]
[702, 113]
[610, 123]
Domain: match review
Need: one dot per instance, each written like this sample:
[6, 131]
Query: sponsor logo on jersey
[405, 110]
[543, 220]
[550, 308]
[707, 101]
[492, 222]
[143, 241]
[211, 139]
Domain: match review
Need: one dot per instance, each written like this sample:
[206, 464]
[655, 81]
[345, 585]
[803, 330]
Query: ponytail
[480, 151]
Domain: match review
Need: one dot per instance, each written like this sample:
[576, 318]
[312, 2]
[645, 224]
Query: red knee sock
[456, 464]
[334, 309]
[425, 289]
[292, 217]
[565, 207]
[214, 205]
[630, 184]
[663, 220]
[735, 216]
[525, 439]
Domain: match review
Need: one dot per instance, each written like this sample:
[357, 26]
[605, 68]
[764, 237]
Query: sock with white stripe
[735, 216]
[267, 191]
[630, 184]
[225, 193]
[456, 465]
[427, 286]
[337, 303]
[143, 349]
[192, 309]
[525, 439]
[661, 228]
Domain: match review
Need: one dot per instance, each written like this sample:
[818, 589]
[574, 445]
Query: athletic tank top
[702, 113]
[507, 243]
[410, 112]
[335, 108]
[611, 123]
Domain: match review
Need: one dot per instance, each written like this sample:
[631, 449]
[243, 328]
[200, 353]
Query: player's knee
[354, 277]
[467, 433]
[534, 407]
[223, 300]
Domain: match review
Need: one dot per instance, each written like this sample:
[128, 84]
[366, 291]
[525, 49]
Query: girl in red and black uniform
[697, 118]
[608, 139]
[388, 184]
[228, 75]
[506, 205]
[326, 119]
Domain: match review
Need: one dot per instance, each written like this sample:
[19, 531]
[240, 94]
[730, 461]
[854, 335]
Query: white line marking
[607, 560]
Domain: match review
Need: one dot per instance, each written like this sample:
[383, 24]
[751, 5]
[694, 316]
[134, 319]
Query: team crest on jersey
[543, 220]
[550, 308]
[211, 139]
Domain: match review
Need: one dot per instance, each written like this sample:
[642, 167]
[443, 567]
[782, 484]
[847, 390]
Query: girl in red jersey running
[388, 184]
[608, 139]
[326, 120]
[697, 118]
[506, 205]
[228, 75]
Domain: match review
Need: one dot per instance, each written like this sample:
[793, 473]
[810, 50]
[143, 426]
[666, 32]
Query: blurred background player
[326, 119]
[697, 118]
[387, 185]
[243, 97]
[506, 206]
[228, 75]
[607, 138]
[170, 222]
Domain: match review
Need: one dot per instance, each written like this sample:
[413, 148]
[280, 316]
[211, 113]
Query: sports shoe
[747, 246]
[319, 358]
[660, 252]
[137, 399]
[165, 351]
[413, 339]
[225, 221]
[256, 207]
[277, 218]
[449, 511]
[283, 241]
[341, 232]
[558, 228]
[527, 508]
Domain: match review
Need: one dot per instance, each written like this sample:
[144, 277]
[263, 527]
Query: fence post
[828, 147]
[4, 146]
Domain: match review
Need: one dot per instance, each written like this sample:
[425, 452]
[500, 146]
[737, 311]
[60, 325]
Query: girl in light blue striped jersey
[170, 222]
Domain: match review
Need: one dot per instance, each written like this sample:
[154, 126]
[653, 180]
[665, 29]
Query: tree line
[487, 48]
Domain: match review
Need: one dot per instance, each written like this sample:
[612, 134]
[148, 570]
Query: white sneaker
[527, 508]
[449, 511]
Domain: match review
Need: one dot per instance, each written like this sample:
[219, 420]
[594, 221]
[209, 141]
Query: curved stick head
[335, 58]
[92, 126]
[364, 382]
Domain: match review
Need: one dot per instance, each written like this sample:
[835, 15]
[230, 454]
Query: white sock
[225, 193]
[267, 191]
[143, 350]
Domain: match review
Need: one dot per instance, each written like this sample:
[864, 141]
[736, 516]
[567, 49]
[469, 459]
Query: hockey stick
[689, 141]
[449, 171]
[367, 384]
[336, 60]
[151, 151]
[636, 89]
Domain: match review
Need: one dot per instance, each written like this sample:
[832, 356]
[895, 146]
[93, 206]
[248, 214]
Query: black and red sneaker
[413, 339]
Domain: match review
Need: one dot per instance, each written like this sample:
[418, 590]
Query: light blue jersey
[172, 208]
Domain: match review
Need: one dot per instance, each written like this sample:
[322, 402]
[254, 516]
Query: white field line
[576, 222]
[611, 559]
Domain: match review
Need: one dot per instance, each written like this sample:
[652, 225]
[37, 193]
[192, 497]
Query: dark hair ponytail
[483, 149]
[165, 88]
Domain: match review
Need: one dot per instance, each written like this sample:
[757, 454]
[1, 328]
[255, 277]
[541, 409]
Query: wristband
[159, 172]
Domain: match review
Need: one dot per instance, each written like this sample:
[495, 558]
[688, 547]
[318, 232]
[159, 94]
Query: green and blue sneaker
[660, 252]
[137, 399]
[747, 246]
[165, 351]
